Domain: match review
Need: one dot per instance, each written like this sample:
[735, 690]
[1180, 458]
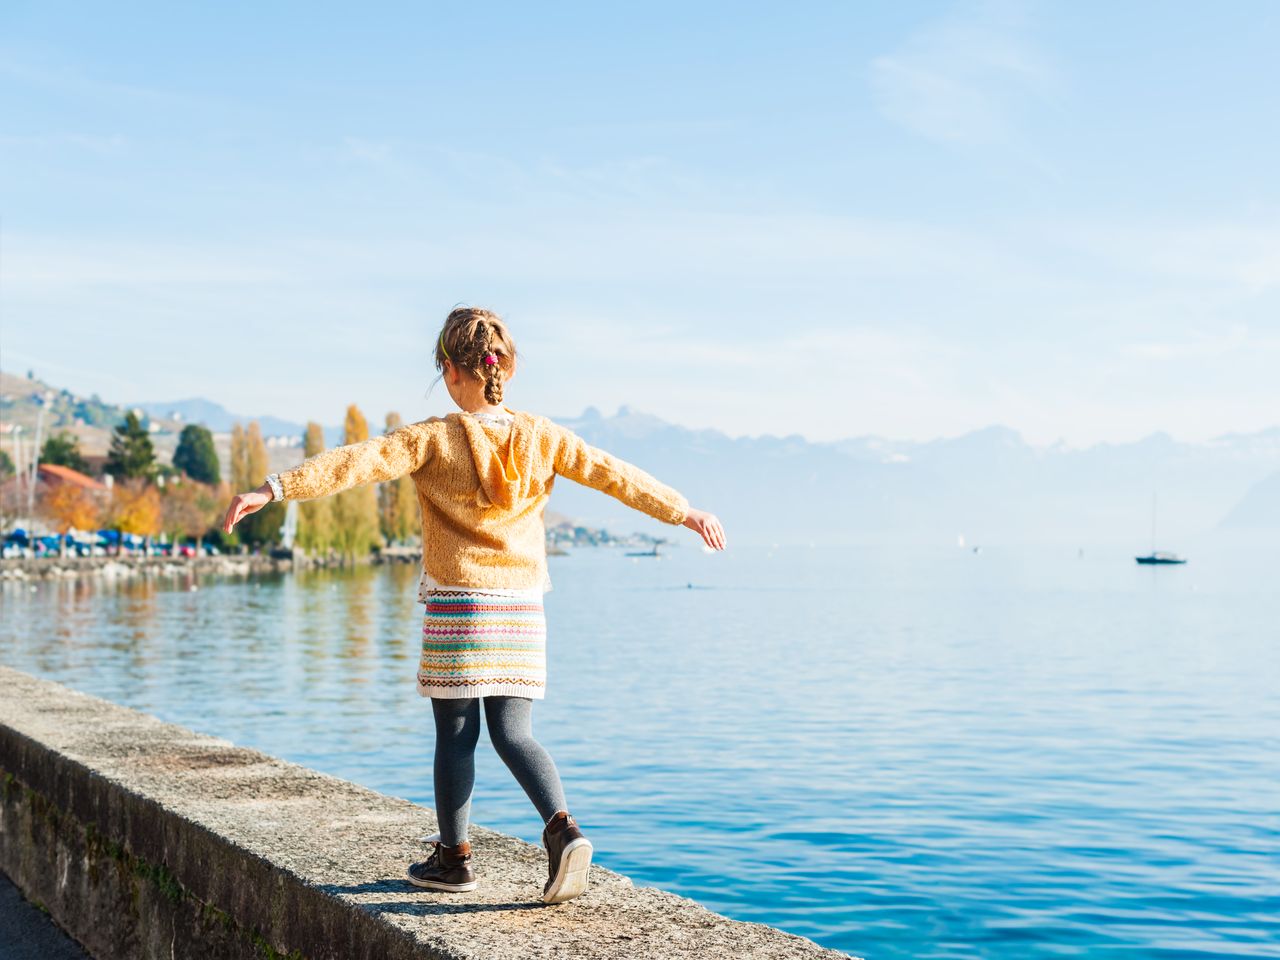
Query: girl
[483, 477]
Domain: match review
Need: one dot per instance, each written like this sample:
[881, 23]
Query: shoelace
[433, 858]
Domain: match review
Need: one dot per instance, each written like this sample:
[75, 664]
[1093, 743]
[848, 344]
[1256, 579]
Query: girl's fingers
[234, 513]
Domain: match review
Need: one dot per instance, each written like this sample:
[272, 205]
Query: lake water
[905, 753]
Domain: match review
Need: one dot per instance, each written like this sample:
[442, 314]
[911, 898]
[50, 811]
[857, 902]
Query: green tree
[7, 468]
[131, 454]
[315, 517]
[63, 449]
[355, 511]
[196, 456]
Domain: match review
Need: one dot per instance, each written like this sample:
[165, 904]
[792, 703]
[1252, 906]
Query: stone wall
[146, 840]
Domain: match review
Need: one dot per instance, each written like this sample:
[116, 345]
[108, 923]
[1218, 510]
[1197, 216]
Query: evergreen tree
[64, 450]
[7, 469]
[315, 517]
[355, 511]
[131, 454]
[398, 510]
[196, 455]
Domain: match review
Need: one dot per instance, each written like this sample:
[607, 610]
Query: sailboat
[1158, 556]
[647, 553]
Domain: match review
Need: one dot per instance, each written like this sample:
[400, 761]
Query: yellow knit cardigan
[482, 488]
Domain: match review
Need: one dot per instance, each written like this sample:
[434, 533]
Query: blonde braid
[469, 336]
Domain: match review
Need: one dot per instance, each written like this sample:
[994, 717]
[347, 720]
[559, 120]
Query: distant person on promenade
[483, 477]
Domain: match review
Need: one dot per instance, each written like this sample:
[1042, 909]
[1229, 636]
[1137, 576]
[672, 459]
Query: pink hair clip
[491, 358]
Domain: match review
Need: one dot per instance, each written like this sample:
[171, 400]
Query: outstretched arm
[593, 467]
[375, 460]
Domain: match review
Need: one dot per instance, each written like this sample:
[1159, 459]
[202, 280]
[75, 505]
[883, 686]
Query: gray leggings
[510, 728]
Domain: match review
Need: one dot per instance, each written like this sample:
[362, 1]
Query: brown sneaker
[568, 859]
[448, 868]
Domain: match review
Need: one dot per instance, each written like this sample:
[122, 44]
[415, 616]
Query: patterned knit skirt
[481, 644]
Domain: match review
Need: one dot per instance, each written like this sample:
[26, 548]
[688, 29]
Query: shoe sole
[571, 879]
[440, 885]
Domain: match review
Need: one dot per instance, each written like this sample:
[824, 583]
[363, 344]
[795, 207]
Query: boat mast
[1153, 522]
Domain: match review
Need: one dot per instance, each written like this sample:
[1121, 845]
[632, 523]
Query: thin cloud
[961, 80]
[1244, 257]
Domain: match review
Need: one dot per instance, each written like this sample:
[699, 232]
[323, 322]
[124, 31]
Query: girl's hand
[243, 504]
[707, 526]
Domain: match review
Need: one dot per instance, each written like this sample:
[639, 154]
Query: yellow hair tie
[442, 348]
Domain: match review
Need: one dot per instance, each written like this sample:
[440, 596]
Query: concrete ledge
[144, 839]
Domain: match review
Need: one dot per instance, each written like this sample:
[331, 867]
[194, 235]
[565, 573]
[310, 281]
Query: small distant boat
[1158, 556]
[645, 553]
[1161, 556]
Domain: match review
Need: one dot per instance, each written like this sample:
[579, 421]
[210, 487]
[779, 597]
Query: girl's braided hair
[478, 342]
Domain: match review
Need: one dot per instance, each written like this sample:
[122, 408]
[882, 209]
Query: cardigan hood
[498, 451]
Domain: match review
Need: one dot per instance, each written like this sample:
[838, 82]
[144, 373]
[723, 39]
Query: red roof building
[55, 473]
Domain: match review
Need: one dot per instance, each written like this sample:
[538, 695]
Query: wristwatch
[277, 491]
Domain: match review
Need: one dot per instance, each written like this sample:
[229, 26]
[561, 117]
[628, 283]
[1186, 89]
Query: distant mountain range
[1259, 509]
[989, 486]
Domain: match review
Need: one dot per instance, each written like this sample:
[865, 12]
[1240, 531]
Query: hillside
[91, 420]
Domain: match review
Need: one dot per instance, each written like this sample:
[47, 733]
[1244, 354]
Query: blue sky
[829, 219]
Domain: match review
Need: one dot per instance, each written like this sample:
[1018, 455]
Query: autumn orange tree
[355, 511]
[315, 517]
[398, 511]
[135, 508]
[67, 505]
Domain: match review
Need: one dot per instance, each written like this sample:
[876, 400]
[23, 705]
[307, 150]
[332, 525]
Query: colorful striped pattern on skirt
[479, 644]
